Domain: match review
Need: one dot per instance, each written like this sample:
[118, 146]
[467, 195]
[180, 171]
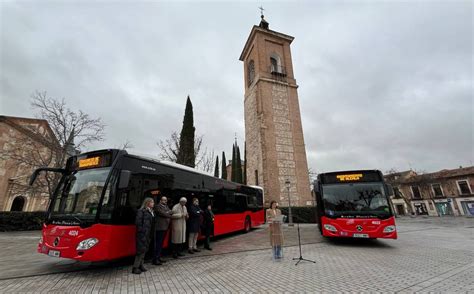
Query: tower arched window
[18, 203]
[275, 63]
[276, 67]
[251, 72]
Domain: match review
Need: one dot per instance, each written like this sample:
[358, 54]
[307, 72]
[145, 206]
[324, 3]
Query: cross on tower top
[263, 22]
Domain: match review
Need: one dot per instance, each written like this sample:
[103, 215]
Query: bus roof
[171, 164]
[167, 163]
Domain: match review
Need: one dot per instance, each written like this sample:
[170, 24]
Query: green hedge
[21, 221]
[301, 214]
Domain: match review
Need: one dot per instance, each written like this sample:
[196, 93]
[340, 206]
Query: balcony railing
[277, 70]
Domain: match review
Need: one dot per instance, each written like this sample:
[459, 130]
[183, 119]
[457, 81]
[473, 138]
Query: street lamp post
[290, 216]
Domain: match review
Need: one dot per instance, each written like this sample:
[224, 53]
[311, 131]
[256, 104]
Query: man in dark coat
[195, 214]
[144, 222]
[163, 217]
[208, 226]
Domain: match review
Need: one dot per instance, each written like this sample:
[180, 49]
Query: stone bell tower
[274, 139]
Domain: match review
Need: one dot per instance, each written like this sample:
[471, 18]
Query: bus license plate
[53, 253]
[360, 236]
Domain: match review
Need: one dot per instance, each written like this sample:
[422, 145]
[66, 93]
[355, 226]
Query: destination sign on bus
[353, 177]
[93, 161]
[89, 162]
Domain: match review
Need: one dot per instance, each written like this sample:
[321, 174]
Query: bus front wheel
[247, 224]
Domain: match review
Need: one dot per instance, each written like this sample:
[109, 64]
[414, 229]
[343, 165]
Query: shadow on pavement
[362, 243]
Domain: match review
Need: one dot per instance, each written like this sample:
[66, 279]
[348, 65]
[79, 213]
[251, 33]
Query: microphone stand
[299, 244]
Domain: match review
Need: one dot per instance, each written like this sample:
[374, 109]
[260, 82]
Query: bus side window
[252, 203]
[152, 187]
[109, 198]
[129, 202]
[219, 203]
[231, 204]
[135, 196]
[240, 202]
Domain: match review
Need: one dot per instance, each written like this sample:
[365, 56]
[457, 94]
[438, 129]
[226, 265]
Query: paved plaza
[431, 255]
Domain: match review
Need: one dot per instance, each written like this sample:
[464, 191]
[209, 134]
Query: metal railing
[277, 70]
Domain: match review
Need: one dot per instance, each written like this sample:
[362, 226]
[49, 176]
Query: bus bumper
[359, 228]
[95, 243]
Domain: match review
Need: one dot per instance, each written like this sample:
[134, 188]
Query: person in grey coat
[163, 217]
[144, 222]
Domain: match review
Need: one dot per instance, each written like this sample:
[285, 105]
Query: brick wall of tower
[273, 130]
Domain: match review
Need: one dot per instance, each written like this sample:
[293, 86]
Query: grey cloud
[382, 85]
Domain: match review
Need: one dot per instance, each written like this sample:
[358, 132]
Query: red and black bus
[91, 216]
[354, 204]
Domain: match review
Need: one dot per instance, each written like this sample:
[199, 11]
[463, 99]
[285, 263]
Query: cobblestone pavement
[431, 255]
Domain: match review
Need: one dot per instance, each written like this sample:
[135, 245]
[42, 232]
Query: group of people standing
[156, 219]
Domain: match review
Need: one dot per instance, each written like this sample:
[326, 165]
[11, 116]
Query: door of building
[468, 207]
[444, 208]
[400, 209]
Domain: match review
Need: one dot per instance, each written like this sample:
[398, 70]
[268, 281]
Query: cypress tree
[223, 166]
[216, 168]
[238, 168]
[233, 175]
[186, 154]
[245, 164]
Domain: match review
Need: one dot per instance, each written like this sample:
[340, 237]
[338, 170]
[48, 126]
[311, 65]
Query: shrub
[305, 214]
[21, 220]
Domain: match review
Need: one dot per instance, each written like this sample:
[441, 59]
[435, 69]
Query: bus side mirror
[124, 179]
[390, 190]
[316, 186]
[39, 170]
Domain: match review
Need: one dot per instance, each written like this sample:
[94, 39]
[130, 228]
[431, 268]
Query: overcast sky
[382, 84]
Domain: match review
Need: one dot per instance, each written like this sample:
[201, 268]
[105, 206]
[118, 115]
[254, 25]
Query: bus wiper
[78, 219]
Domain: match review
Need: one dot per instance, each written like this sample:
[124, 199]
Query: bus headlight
[87, 244]
[330, 228]
[389, 229]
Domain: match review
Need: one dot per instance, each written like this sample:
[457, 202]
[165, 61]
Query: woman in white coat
[178, 226]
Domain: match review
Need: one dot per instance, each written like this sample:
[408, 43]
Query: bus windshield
[355, 200]
[80, 194]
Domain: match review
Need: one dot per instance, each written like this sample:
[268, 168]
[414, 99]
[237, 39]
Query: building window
[18, 203]
[416, 192]
[274, 64]
[251, 72]
[397, 192]
[256, 177]
[438, 192]
[464, 187]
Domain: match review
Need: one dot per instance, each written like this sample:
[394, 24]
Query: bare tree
[313, 175]
[206, 161]
[71, 130]
[169, 148]
[127, 145]
[398, 194]
[66, 123]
